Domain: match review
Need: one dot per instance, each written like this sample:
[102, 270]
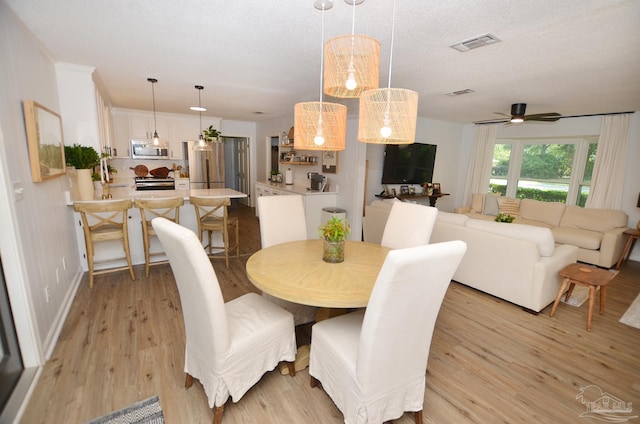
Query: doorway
[11, 366]
[236, 165]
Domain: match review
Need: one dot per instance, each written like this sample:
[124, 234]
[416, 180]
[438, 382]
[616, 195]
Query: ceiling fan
[518, 115]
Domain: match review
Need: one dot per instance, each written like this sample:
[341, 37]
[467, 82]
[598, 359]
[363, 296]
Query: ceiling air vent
[461, 92]
[473, 43]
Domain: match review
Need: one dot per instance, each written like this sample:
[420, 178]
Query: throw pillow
[509, 206]
[491, 204]
[477, 202]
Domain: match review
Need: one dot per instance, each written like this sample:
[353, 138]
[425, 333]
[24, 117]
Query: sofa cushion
[547, 212]
[593, 219]
[452, 218]
[579, 237]
[520, 220]
[538, 235]
[491, 204]
[509, 206]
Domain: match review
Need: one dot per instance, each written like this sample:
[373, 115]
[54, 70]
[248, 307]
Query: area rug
[147, 411]
[579, 295]
[632, 316]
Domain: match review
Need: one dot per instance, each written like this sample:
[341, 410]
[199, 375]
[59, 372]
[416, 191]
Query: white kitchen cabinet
[143, 126]
[314, 202]
[120, 142]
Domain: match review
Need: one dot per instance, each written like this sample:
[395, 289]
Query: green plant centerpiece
[334, 233]
[503, 217]
[81, 157]
[211, 134]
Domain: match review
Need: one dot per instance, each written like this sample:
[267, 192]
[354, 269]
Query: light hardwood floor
[490, 361]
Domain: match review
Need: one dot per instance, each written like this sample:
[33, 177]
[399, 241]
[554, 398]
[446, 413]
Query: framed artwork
[329, 162]
[46, 145]
[404, 189]
[436, 188]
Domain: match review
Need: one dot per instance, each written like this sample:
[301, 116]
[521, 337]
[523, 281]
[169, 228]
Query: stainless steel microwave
[144, 149]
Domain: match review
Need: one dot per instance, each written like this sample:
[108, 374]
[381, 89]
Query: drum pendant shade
[351, 56]
[313, 119]
[388, 116]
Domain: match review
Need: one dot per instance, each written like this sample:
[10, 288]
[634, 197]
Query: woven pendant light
[352, 65]
[388, 115]
[320, 125]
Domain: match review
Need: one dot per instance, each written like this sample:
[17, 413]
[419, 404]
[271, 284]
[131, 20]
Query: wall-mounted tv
[408, 163]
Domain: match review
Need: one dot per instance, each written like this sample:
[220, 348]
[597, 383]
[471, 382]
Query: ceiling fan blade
[542, 118]
[491, 121]
[503, 114]
[542, 115]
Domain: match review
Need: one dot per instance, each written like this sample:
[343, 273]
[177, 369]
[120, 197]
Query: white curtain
[608, 172]
[479, 171]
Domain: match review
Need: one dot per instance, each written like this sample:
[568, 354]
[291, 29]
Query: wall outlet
[46, 294]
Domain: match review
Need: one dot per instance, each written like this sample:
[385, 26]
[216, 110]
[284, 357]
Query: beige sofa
[598, 233]
[517, 263]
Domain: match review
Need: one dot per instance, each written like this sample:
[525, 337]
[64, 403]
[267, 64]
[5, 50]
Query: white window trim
[577, 168]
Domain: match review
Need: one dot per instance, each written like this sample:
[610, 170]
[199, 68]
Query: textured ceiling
[571, 56]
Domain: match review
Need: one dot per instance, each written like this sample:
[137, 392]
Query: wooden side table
[632, 236]
[588, 276]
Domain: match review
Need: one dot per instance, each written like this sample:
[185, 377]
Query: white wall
[37, 228]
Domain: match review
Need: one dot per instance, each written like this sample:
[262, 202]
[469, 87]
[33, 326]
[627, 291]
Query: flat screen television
[408, 163]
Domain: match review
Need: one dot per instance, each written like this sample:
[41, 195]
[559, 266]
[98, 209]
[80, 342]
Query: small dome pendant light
[156, 139]
[201, 145]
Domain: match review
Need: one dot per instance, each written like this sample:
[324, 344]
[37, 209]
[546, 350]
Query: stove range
[155, 183]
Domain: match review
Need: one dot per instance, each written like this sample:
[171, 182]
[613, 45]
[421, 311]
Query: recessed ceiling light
[198, 108]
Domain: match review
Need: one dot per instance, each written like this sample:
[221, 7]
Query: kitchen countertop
[119, 193]
[296, 187]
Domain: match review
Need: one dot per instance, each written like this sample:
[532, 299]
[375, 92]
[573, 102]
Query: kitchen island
[113, 249]
[314, 201]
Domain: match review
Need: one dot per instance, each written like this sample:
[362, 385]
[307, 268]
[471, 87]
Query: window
[552, 170]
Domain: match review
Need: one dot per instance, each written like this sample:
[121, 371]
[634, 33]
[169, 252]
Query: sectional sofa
[519, 262]
[597, 233]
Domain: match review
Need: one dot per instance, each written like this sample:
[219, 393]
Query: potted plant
[211, 134]
[503, 217]
[83, 159]
[334, 233]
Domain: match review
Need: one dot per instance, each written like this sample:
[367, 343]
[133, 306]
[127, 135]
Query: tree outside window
[549, 170]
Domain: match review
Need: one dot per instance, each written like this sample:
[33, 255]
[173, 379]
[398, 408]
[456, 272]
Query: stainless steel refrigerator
[206, 169]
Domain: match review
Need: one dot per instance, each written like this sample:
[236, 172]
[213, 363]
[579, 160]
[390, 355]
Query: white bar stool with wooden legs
[152, 208]
[212, 215]
[105, 220]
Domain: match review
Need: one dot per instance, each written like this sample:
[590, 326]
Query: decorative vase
[333, 251]
[85, 184]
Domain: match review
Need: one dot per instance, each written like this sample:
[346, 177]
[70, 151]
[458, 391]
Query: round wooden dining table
[295, 271]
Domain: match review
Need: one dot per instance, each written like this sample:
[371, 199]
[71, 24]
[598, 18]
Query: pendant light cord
[153, 96]
[321, 59]
[393, 27]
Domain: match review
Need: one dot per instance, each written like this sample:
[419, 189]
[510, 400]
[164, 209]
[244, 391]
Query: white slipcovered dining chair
[408, 225]
[229, 346]
[282, 219]
[372, 363]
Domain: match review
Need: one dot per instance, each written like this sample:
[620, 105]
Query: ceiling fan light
[516, 120]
